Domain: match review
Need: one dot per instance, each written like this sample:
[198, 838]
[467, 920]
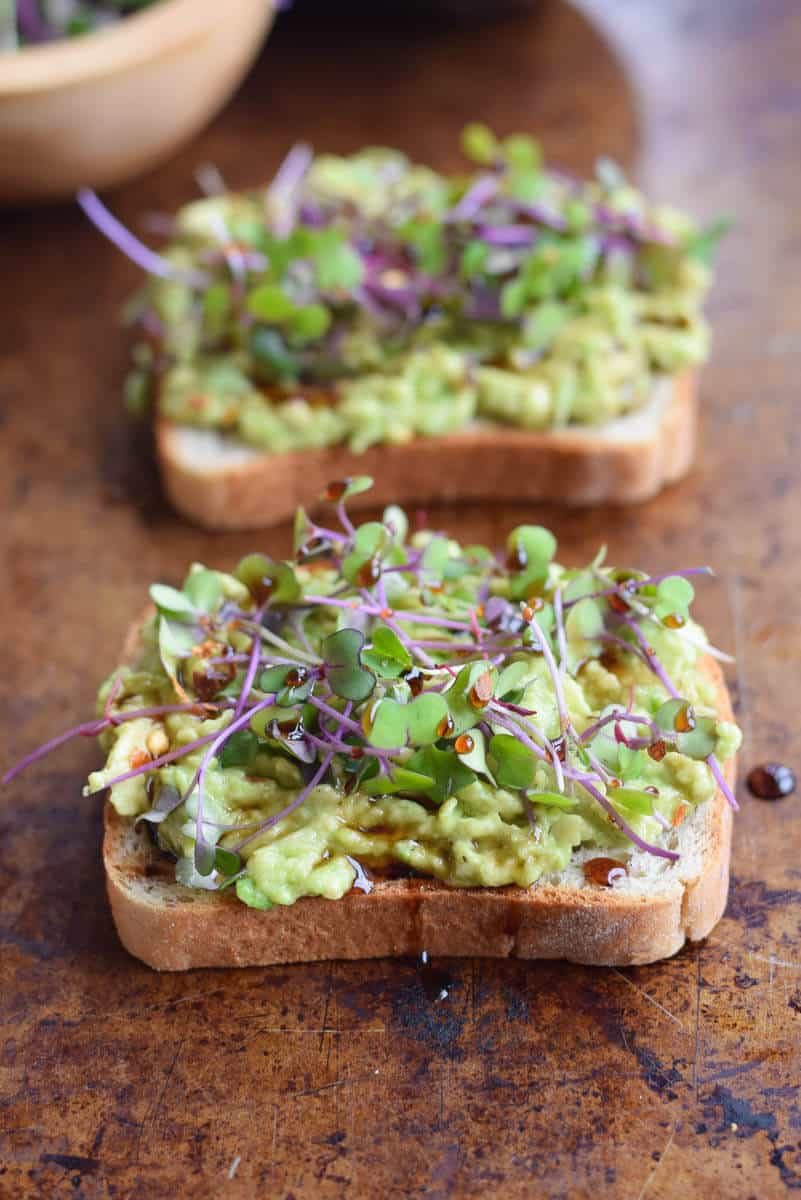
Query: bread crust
[174, 928]
[624, 462]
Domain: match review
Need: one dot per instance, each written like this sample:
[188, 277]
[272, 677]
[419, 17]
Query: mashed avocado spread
[385, 703]
[368, 300]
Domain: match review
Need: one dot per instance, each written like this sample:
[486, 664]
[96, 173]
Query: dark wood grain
[326, 1081]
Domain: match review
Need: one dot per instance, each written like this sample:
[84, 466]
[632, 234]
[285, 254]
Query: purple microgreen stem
[250, 675]
[720, 780]
[564, 716]
[615, 817]
[561, 639]
[651, 658]
[334, 713]
[220, 739]
[130, 245]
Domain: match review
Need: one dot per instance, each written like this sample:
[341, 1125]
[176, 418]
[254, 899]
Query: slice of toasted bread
[221, 483]
[645, 917]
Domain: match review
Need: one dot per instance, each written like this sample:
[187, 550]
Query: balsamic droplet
[598, 870]
[560, 746]
[336, 489]
[369, 572]
[415, 680]
[445, 726]
[771, 781]
[436, 982]
[617, 603]
[517, 558]
[684, 720]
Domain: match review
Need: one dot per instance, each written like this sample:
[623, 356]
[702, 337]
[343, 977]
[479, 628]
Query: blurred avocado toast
[394, 743]
[368, 314]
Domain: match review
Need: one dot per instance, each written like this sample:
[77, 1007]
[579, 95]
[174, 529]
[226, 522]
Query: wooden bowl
[97, 109]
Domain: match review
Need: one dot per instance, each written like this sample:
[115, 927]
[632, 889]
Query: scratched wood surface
[543, 1080]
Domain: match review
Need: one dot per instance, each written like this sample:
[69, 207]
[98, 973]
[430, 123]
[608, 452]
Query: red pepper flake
[680, 814]
[138, 758]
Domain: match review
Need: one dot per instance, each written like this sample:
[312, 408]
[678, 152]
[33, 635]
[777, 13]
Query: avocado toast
[368, 314]
[397, 743]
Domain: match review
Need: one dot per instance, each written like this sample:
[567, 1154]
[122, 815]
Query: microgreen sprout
[346, 266]
[405, 670]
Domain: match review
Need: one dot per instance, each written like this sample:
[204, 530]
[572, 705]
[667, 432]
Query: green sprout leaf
[479, 143]
[170, 601]
[338, 267]
[216, 310]
[532, 547]
[464, 713]
[474, 259]
[395, 724]
[268, 580]
[310, 322]
[543, 323]
[395, 520]
[204, 856]
[700, 742]
[674, 596]
[629, 762]
[273, 359]
[355, 485]
[582, 584]
[341, 652]
[522, 151]
[248, 892]
[514, 296]
[204, 589]
[369, 542]
[512, 679]
[175, 643]
[273, 679]
[226, 861]
[435, 560]
[240, 749]
[476, 758]
[552, 800]
[445, 768]
[666, 715]
[428, 242]
[269, 302]
[401, 780]
[525, 184]
[636, 801]
[513, 764]
[216, 301]
[301, 529]
[386, 656]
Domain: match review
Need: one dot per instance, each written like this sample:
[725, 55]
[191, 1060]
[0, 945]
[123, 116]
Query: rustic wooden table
[543, 1080]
